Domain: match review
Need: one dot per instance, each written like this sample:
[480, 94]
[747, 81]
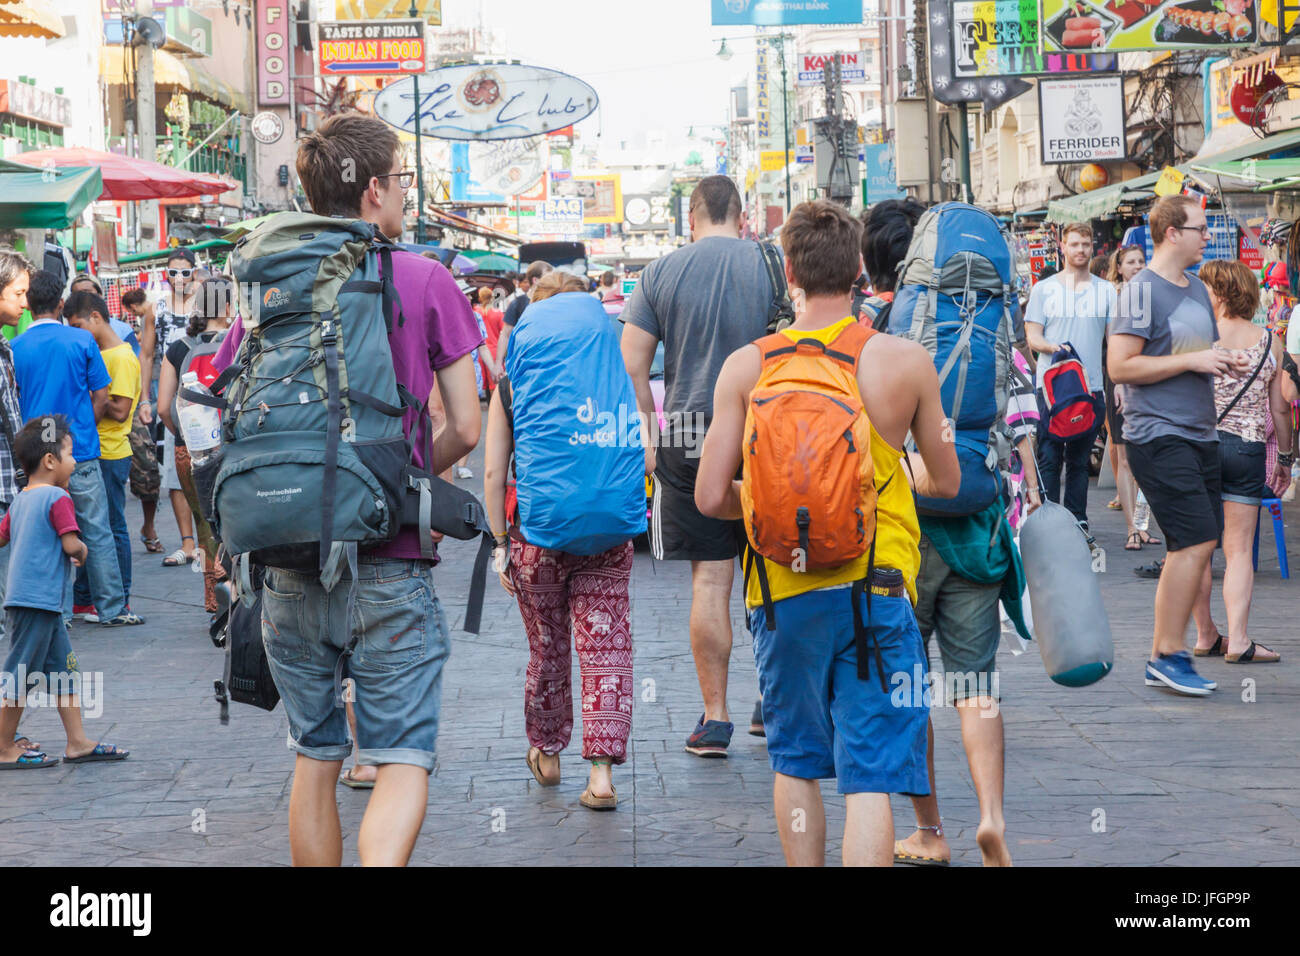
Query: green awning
[1258, 175]
[495, 262]
[47, 198]
[215, 245]
[1104, 201]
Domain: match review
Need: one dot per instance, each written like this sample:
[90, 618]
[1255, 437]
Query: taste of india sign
[1082, 25]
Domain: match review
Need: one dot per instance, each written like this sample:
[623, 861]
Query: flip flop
[29, 760]
[1214, 650]
[534, 759]
[101, 753]
[27, 743]
[348, 780]
[912, 859]
[1150, 538]
[1248, 656]
[1134, 542]
[152, 545]
[593, 802]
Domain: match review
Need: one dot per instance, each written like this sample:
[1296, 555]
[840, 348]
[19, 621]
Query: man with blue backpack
[954, 296]
[1065, 323]
[344, 343]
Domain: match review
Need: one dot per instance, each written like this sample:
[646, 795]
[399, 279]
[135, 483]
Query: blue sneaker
[710, 739]
[1176, 672]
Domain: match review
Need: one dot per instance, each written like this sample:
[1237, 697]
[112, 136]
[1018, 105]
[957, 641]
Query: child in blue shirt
[41, 528]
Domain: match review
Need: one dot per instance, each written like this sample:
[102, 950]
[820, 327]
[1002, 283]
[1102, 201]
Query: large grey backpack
[313, 444]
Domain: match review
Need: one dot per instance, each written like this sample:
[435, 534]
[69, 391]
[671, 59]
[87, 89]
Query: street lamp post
[419, 158]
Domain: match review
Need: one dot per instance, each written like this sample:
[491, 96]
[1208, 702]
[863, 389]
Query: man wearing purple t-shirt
[352, 167]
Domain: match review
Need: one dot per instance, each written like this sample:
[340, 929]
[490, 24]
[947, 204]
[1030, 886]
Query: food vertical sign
[273, 53]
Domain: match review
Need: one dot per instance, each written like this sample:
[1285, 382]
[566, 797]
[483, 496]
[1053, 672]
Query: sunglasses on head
[183, 273]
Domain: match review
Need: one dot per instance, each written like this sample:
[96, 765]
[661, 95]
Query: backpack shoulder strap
[774, 346]
[850, 343]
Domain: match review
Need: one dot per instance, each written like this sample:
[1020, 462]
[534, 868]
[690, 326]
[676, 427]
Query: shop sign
[602, 197]
[1003, 39]
[729, 13]
[372, 47]
[487, 101]
[430, 11]
[33, 103]
[273, 53]
[812, 68]
[1082, 119]
[1088, 25]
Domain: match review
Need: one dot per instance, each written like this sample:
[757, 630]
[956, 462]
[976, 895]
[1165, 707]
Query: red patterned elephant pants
[568, 598]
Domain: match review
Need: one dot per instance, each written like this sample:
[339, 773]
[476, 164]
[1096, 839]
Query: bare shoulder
[894, 358]
[741, 369]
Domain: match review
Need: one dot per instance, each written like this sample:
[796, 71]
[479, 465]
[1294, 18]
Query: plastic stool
[1274, 506]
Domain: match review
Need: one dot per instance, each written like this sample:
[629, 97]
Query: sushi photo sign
[1076, 26]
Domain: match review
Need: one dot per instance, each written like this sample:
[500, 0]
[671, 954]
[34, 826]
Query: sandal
[180, 557]
[102, 752]
[1134, 542]
[1114, 504]
[152, 545]
[593, 802]
[348, 780]
[1149, 539]
[915, 859]
[534, 759]
[1248, 655]
[29, 760]
[1214, 650]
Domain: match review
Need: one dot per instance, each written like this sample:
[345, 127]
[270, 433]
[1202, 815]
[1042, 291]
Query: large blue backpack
[579, 461]
[955, 298]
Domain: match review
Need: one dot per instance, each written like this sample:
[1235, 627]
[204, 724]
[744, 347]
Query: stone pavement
[1113, 774]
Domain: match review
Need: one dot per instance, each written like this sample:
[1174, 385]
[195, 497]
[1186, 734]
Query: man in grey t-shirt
[703, 302]
[1160, 350]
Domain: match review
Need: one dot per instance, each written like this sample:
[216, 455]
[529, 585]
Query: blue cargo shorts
[396, 666]
[821, 719]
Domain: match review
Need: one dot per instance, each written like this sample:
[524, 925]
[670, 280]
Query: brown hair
[1117, 259]
[1234, 284]
[536, 270]
[1082, 228]
[1098, 265]
[336, 162]
[719, 197]
[133, 297]
[1169, 212]
[556, 282]
[822, 243]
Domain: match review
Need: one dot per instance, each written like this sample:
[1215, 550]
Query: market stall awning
[1258, 175]
[1104, 201]
[29, 18]
[128, 178]
[173, 73]
[34, 198]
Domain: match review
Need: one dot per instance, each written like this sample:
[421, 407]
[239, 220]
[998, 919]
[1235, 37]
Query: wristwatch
[1285, 460]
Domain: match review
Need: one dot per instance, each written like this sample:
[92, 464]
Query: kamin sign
[1082, 119]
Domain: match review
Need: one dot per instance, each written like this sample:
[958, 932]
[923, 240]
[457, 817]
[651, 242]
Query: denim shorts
[396, 666]
[38, 644]
[821, 719]
[1242, 467]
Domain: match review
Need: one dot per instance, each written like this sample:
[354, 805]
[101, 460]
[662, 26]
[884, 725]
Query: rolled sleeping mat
[1070, 623]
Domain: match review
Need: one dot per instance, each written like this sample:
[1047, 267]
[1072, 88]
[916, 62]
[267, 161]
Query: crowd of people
[1190, 390]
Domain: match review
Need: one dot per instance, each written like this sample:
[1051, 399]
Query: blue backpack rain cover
[579, 461]
[955, 299]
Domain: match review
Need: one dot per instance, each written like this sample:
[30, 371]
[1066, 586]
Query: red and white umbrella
[128, 178]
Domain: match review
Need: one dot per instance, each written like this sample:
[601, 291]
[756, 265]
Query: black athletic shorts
[1182, 484]
[678, 532]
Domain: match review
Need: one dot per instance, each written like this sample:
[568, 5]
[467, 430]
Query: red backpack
[1068, 406]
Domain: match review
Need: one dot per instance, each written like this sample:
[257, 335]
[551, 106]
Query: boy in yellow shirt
[86, 310]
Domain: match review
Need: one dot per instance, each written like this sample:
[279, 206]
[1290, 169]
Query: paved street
[1173, 780]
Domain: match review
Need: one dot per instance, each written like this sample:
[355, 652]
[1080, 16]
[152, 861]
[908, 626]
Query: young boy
[42, 525]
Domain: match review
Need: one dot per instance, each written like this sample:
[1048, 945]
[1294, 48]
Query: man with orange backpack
[817, 414]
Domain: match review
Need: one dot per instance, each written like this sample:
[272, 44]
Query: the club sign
[478, 101]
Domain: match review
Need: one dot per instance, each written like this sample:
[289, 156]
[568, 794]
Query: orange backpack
[808, 492]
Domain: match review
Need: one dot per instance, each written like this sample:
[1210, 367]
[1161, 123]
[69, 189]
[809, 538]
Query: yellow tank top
[897, 531]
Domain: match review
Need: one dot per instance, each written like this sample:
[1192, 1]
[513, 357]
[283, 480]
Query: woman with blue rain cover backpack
[564, 418]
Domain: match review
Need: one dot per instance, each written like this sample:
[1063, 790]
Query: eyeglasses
[405, 179]
[183, 273]
[1203, 230]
